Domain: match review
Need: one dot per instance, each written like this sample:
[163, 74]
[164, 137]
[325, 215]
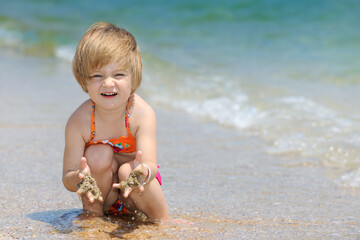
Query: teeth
[108, 94]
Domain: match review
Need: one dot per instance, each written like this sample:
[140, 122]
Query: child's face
[110, 86]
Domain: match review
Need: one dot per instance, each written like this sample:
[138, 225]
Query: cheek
[125, 86]
[129, 83]
[89, 88]
[92, 89]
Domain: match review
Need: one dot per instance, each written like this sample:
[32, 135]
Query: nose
[108, 82]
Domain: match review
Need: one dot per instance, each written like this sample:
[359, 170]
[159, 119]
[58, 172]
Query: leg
[102, 164]
[123, 174]
[151, 201]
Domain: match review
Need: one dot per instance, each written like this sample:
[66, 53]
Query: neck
[108, 115]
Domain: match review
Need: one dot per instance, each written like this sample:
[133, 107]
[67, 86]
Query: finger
[101, 199]
[144, 170]
[138, 156]
[127, 192]
[83, 163]
[116, 185]
[90, 197]
[141, 188]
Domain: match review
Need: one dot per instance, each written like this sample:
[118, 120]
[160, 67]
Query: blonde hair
[104, 43]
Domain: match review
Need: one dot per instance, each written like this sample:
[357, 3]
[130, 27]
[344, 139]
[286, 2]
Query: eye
[119, 75]
[96, 76]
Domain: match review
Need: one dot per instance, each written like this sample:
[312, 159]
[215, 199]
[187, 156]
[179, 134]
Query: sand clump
[88, 184]
[134, 180]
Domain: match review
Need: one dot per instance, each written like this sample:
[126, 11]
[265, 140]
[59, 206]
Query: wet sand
[218, 178]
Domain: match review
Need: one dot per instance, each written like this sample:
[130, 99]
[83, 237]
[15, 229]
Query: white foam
[305, 105]
[65, 52]
[224, 110]
[351, 179]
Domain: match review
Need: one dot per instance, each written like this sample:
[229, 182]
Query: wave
[351, 180]
[65, 53]
[291, 124]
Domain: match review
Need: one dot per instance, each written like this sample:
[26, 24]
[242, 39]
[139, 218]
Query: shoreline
[220, 179]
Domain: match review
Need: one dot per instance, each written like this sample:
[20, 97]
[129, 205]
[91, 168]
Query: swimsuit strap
[127, 116]
[92, 122]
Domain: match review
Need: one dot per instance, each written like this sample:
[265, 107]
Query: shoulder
[80, 119]
[140, 108]
[141, 113]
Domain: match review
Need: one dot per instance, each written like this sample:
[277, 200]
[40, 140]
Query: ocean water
[284, 71]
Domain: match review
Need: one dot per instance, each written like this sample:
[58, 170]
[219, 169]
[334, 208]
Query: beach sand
[218, 178]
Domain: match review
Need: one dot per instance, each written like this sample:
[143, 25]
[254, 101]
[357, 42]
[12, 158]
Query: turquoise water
[285, 71]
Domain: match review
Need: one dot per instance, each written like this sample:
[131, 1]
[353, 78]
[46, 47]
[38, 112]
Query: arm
[73, 153]
[144, 121]
[146, 140]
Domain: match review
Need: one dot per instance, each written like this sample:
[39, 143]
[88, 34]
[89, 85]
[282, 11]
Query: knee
[124, 171]
[100, 158]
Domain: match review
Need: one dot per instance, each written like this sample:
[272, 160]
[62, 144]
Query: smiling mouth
[109, 94]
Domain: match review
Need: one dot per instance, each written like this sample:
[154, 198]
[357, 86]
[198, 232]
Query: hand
[141, 168]
[84, 175]
[139, 174]
[84, 168]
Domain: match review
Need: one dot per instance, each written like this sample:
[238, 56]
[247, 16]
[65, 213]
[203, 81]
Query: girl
[114, 132]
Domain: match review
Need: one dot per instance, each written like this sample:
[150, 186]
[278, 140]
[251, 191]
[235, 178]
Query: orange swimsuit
[119, 145]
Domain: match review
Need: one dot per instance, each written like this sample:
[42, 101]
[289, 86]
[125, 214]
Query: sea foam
[65, 53]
